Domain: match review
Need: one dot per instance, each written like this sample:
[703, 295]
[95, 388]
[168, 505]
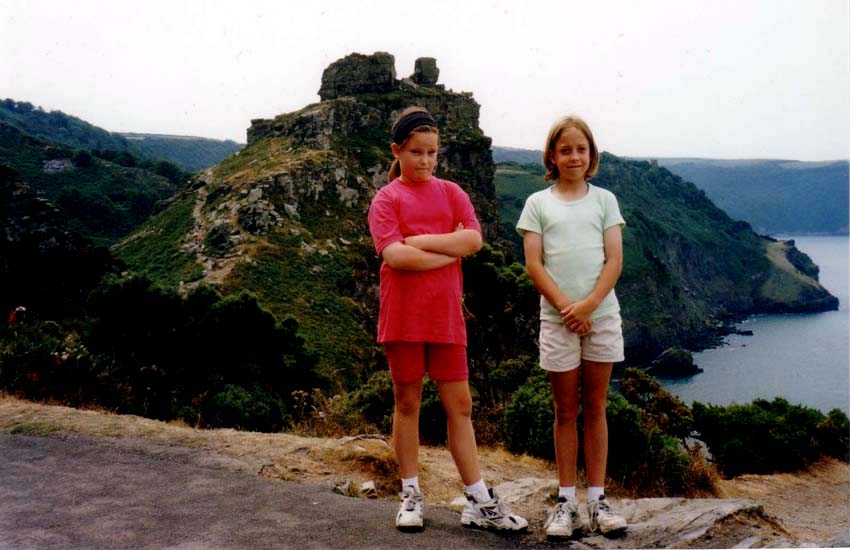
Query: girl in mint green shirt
[574, 254]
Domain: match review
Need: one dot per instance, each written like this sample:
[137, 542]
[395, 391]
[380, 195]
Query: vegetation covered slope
[775, 196]
[189, 153]
[104, 197]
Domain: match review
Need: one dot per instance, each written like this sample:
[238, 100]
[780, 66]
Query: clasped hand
[576, 317]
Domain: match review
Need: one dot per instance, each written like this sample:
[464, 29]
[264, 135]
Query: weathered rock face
[359, 74]
[351, 129]
[425, 72]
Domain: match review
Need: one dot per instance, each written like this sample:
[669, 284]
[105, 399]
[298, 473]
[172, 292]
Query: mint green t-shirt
[573, 248]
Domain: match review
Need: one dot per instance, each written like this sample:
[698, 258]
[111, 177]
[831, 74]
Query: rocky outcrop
[674, 363]
[359, 74]
[655, 522]
[425, 72]
[360, 100]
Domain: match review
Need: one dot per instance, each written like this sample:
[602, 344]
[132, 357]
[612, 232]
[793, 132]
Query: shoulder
[600, 191]
[450, 186]
[538, 196]
[603, 195]
[386, 192]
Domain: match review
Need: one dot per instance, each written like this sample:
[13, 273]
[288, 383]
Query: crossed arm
[576, 315]
[431, 251]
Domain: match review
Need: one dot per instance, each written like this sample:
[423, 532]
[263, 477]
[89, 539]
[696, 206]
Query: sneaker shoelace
[561, 510]
[409, 502]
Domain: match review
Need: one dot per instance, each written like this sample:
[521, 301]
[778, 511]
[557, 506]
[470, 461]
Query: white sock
[410, 482]
[593, 493]
[568, 493]
[479, 491]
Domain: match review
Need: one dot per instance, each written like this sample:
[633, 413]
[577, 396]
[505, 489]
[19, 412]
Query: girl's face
[571, 155]
[417, 157]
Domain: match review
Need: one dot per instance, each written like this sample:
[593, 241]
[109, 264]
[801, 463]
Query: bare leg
[565, 394]
[594, 394]
[457, 403]
[408, 398]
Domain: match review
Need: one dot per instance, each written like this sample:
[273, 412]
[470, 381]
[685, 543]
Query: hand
[576, 316]
[579, 328]
[460, 227]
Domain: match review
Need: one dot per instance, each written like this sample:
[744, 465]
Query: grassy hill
[189, 153]
[105, 197]
[774, 196]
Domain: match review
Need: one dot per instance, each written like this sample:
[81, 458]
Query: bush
[530, 418]
[833, 435]
[254, 409]
[769, 436]
[659, 408]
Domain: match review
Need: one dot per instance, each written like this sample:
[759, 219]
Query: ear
[395, 149]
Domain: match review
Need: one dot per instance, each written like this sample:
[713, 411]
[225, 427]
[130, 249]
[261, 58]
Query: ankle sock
[593, 493]
[568, 493]
[410, 482]
[479, 491]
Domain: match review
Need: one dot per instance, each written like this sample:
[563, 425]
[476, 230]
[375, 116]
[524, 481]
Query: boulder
[425, 72]
[674, 363]
[358, 74]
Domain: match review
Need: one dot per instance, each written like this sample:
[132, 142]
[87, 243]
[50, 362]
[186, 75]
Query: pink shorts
[410, 360]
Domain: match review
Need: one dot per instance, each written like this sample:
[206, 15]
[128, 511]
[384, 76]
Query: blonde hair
[555, 134]
[395, 168]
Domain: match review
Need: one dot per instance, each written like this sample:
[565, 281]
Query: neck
[571, 189]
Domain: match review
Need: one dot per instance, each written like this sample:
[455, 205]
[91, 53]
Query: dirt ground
[813, 506]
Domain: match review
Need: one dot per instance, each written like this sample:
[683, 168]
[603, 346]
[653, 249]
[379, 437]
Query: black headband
[407, 123]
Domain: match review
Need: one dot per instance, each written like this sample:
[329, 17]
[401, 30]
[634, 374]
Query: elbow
[476, 243]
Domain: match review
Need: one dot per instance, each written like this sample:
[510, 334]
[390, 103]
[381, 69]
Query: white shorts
[562, 350]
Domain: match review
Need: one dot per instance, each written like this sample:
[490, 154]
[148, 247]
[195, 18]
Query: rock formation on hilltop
[286, 217]
[350, 128]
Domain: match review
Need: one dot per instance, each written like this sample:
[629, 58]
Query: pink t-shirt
[420, 306]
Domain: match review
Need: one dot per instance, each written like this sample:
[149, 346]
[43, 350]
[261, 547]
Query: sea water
[801, 357]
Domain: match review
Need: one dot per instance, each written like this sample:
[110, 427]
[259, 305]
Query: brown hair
[395, 169]
[555, 135]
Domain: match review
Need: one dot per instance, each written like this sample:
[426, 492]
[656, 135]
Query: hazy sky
[721, 79]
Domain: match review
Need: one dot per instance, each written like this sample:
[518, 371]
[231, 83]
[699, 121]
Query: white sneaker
[409, 516]
[603, 519]
[490, 514]
[563, 519]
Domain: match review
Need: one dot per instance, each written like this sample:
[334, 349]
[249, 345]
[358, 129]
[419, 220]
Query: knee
[458, 406]
[407, 406]
[593, 410]
[565, 413]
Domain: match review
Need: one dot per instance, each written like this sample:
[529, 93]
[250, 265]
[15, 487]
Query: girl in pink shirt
[421, 227]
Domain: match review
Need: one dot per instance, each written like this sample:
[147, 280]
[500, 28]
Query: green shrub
[833, 435]
[529, 419]
[769, 436]
[252, 409]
